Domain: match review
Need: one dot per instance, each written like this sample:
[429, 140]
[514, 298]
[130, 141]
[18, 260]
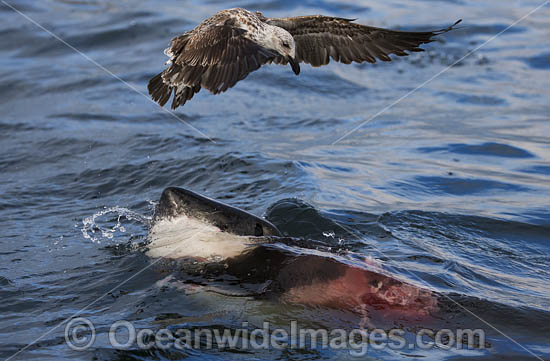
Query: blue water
[449, 188]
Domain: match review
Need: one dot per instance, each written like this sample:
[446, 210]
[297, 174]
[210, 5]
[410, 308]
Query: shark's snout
[169, 204]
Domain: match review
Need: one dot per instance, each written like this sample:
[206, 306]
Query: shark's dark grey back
[176, 202]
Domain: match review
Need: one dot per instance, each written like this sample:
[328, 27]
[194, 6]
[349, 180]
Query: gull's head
[285, 42]
[282, 42]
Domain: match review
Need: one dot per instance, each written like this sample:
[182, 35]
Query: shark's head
[189, 225]
[178, 202]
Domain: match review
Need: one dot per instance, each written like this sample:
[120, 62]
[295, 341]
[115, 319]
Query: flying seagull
[228, 46]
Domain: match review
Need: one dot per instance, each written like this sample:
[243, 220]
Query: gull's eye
[286, 45]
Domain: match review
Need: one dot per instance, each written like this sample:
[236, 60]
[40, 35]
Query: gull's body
[228, 46]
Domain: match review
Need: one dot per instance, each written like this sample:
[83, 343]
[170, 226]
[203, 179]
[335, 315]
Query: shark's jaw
[189, 225]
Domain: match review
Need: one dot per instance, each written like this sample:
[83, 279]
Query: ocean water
[448, 189]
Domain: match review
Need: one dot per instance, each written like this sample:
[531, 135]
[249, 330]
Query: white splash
[96, 233]
[333, 236]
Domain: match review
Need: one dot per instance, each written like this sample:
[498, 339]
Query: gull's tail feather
[182, 94]
[159, 91]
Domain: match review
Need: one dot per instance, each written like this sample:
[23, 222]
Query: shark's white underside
[185, 237]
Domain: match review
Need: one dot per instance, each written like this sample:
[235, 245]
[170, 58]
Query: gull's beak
[295, 65]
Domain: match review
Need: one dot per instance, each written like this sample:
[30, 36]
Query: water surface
[449, 188]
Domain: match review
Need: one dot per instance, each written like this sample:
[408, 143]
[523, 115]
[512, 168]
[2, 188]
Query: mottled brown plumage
[228, 46]
[319, 38]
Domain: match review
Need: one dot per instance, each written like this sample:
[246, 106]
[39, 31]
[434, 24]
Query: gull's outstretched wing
[319, 38]
[214, 57]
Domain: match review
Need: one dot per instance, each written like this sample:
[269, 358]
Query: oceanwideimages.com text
[80, 335]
